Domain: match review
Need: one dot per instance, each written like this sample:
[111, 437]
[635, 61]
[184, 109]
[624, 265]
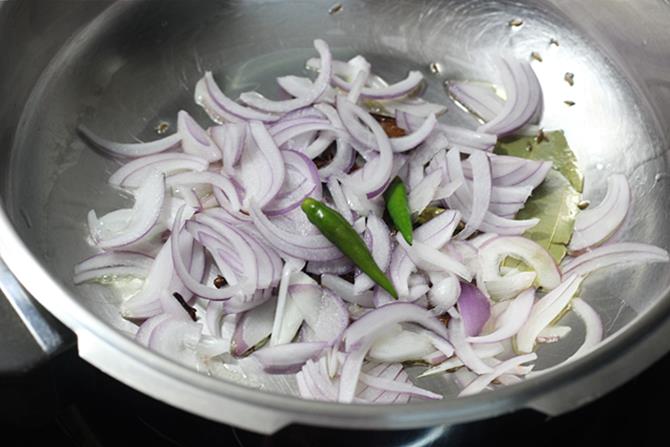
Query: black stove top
[68, 402]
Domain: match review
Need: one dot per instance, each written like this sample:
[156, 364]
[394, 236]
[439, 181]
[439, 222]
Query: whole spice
[570, 78]
[189, 309]
[398, 208]
[340, 232]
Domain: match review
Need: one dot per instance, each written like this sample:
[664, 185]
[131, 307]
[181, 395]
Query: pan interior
[136, 66]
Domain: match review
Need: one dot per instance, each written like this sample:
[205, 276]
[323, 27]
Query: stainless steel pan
[121, 67]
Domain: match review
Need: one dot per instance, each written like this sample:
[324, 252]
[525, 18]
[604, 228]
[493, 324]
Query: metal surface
[136, 64]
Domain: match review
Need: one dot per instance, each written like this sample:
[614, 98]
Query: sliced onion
[593, 324]
[444, 294]
[311, 248]
[131, 150]
[301, 181]
[288, 358]
[545, 311]
[345, 290]
[474, 308]
[609, 255]
[397, 90]
[262, 170]
[384, 316]
[372, 179]
[220, 108]
[397, 387]
[230, 139]
[553, 334]
[380, 247]
[510, 285]
[194, 139]
[595, 225]
[511, 320]
[464, 351]
[477, 98]
[524, 97]
[283, 317]
[483, 351]
[220, 182]
[259, 102]
[402, 144]
[424, 192]
[149, 199]
[176, 339]
[493, 252]
[253, 327]
[428, 258]
[132, 174]
[481, 193]
[298, 86]
[400, 345]
[481, 382]
[331, 321]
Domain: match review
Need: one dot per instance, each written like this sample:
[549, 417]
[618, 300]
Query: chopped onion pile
[231, 270]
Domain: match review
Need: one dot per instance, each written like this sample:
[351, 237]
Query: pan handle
[29, 335]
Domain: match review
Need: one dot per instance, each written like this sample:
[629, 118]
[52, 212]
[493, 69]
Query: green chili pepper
[338, 231]
[398, 208]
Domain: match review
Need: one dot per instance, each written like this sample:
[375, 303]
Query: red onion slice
[424, 192]
[398, 345]
[477, 98]
[262, 170]
[595, 225]
[474, 308]
[510, 285]
[114, 259]
[609, 255]
[430, 259]
[444, 294]
[288, 358]
[311, 247]
[230, 138]
[371, 323]
[292, 265]
[194, 139]
[259, 102]
[481, 382]
[513, 171]
[545, 311]
[191, 283]
[402, 144]
[397, 387]
[593, 324]
[374, 176]
[147, 209]
[331, 321]
[131, 150]
[493, 252]
[301, 180]
[218, 181]
[524, 97]
[481, 191]
[464, 351]
[299, 86]
[380, 247]
[511, 320]
[483, 351]
[176, 339]
[147, 328]
[345, 290]
[220, 108]
[132, 174]
[253, 327]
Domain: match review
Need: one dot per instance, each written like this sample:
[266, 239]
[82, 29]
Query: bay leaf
[554, 202]
[553, 147]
